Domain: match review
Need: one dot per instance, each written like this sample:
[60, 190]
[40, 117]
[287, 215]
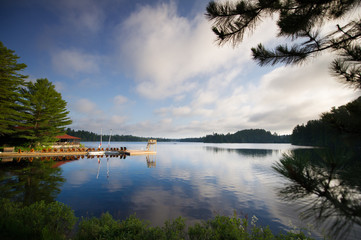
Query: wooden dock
[77, 153]
[150, 150]
[139, 152]
[40, 154]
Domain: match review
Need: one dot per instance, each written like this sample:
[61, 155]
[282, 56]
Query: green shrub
[55, 221]
[36, 221]
[175, 229]
[222, 227]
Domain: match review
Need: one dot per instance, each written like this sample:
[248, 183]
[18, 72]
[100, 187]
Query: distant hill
[244, 136]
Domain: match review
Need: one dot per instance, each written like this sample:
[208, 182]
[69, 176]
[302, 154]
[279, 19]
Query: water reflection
[242, 152]
[30, 180]
[151, 161]
[331, 182]
[197, 181]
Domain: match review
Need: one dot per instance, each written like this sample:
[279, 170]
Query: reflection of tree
[29, 182]
[331, 180]
[243, 152]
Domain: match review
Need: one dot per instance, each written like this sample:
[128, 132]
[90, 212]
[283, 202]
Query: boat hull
[96, 153]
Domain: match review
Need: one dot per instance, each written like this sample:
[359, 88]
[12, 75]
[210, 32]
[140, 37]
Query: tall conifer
[47, 111]
[12, 103]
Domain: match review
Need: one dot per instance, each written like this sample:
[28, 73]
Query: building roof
[66, 136]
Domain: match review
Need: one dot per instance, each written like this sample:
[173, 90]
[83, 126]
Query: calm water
[193, 180]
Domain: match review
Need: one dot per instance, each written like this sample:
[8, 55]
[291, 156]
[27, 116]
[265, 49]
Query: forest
[90, 136]
[244, 136]
[341, 125]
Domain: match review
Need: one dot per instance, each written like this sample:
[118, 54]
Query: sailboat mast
[101, 133]
[109, 137]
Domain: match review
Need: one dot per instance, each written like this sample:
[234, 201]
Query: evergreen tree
[11, 101]
[341, 126]
[300, 21]
[47, 110]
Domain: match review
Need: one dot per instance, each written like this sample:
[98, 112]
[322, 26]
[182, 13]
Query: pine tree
[47, 111]
[11, 101]
[300, 21]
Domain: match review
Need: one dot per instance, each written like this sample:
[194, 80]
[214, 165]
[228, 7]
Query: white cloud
[59, 86]
[117, 120]
[169, 54]
[281, 99]
[119, 100]
[85, 106]
[72, 62]
[215, 89]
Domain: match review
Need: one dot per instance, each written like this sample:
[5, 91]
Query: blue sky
[152, 68]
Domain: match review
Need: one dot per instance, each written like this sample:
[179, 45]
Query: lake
[196, 181]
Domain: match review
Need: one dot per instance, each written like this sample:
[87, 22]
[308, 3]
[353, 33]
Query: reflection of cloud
[188, 181]
[77, 178]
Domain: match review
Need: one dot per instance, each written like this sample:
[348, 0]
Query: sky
[154, 69]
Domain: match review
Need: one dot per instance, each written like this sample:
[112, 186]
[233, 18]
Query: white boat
[96, 153]
[112, 152]
[99, 151]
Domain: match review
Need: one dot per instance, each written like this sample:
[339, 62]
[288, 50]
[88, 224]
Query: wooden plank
[42, 154]
[151, 142]
[39, 154]
[139, 152]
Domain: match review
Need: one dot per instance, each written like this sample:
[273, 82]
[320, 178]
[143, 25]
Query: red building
[67, 140]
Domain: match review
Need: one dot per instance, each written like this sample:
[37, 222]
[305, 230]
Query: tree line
[90, 136]
[243, 136]
[32, 113]
[341, 125]
[303, 24]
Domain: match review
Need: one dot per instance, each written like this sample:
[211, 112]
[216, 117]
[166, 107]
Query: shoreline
[78, 153]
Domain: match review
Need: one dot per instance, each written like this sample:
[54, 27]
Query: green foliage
[47, 112]
[329, 181]
[56, 221]
[37, 221]
[222, 227]
[106, 227]
[302, 23]
[11, 101]
[30, 112]
[175, 229]
[341, 125]
[246, 136]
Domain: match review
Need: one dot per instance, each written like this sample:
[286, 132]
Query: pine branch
[281, 54]
[347, 72]
[232, 20]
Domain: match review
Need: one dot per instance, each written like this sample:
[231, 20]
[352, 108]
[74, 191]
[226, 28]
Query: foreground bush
[37, 221]
[220, 227]
[56, 221]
